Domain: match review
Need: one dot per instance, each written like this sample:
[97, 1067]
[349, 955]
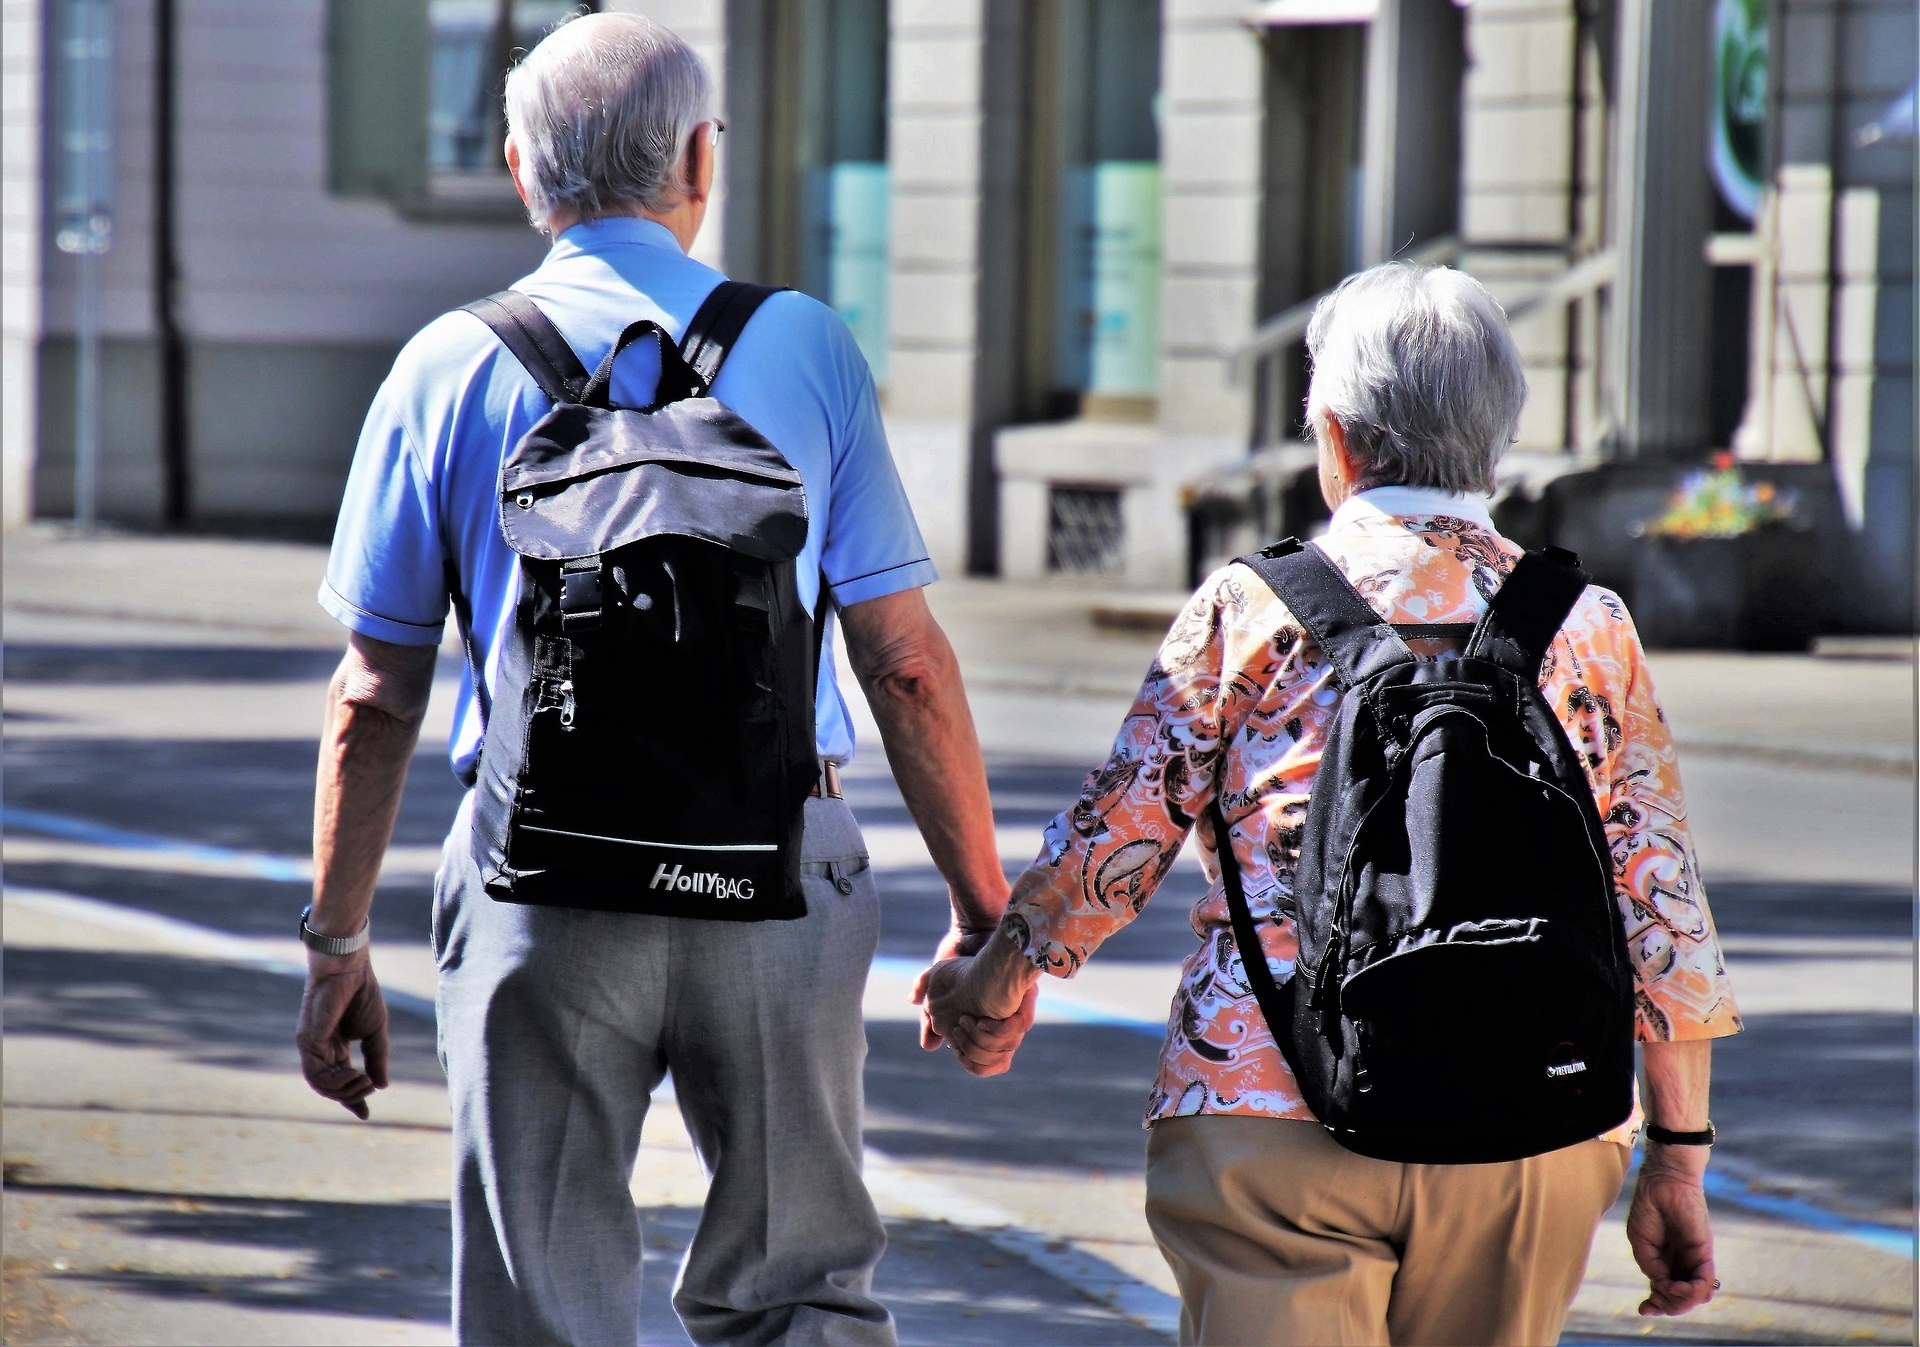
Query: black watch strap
[1666, 1137]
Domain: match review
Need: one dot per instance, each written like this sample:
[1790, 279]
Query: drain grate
[1084, 533]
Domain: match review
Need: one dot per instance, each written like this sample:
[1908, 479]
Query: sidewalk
[1852, 710]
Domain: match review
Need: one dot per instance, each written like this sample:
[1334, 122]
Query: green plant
[1717, 502]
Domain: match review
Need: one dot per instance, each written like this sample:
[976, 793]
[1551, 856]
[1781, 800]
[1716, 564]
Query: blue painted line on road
[1886, 1238]
[263, 864]
[287, 869]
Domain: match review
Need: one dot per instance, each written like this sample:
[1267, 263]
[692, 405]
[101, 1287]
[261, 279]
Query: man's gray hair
[1417, 366]
[602, 111]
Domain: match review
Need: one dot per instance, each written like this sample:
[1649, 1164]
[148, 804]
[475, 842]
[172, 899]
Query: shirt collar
[1401, 502]
[592, 236]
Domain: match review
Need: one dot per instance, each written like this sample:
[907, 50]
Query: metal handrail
[1576, 282]
[1290, 324]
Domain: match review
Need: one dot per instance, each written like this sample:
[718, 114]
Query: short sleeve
[386, 575]
[873, 544]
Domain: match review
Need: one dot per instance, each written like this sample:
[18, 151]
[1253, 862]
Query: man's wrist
[321, 936]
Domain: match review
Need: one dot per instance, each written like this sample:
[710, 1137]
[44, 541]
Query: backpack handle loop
[677, 378]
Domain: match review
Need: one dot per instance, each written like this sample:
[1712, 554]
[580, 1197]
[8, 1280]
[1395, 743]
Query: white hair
[602, 110]
[1417, 366]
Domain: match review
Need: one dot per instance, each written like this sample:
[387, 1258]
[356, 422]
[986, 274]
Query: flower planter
[1756, 591]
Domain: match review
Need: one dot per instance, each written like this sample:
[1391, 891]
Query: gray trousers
[556, 1025]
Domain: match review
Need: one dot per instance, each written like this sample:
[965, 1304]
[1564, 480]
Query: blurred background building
[1077, 239]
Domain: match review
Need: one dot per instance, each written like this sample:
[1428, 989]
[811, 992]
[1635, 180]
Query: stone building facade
[1077, 239]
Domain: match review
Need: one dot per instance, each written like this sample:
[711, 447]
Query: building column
[1212, 81]
[1663, 213]
[937, 53]
[20, 283]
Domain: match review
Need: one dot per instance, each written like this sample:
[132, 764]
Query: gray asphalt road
[133, 1216]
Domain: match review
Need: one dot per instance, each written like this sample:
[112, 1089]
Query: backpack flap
[587, 480]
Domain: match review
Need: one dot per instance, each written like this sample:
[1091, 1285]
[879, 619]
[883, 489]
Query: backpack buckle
[581, 595]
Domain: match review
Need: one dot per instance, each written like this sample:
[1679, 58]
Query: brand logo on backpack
[705, 882]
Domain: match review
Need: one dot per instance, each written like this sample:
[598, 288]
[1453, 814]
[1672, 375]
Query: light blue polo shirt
[424, 488]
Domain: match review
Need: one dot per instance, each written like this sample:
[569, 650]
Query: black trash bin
[1755, 591]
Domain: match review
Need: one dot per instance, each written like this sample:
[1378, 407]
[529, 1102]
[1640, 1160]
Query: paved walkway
[169, 1178]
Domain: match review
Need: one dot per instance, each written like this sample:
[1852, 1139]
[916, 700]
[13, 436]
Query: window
[808, 190]
[414, 87]
[1085, 535]
[1093, 189]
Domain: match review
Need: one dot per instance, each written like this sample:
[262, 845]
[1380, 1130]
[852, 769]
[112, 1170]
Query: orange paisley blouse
[1239, 701]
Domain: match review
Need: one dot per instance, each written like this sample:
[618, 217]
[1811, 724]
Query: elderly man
[1276, 1233]
[557, 1022]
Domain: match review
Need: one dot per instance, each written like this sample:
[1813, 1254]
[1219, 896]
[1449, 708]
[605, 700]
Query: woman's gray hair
[602, 111]
[1417, 366]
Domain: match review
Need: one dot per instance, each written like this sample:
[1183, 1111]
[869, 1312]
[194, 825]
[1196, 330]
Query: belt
[828, 786]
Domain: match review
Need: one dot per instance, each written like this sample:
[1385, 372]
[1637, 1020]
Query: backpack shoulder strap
[1353, 637]
[535, 342]
[1529, 610]
[717, 325]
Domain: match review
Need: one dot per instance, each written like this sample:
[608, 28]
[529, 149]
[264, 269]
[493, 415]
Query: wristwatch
[331, 944]
[1655, 1132]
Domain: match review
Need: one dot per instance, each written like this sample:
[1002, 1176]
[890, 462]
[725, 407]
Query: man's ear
[700, 163]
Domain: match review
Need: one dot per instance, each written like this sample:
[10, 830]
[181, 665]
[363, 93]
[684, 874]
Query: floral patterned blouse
[1239, 701]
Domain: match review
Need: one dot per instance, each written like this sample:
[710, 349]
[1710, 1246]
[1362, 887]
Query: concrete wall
[286, 292]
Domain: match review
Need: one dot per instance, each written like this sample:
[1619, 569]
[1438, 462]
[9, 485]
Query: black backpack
[651, 747]
[1462, 993]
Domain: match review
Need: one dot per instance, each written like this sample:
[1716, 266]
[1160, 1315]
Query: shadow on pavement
[253, 795]
[942, 1285]
[1074, 1099]
[1823, 1105]
[213, 1013]
[385, 1260]
[38, 663]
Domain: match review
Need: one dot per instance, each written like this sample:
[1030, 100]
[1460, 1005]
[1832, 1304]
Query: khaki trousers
[1277, 1235]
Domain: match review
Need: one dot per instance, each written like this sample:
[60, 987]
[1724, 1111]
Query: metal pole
[86, 409]
[84, 208]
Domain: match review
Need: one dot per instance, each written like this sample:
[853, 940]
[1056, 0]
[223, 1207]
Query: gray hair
[1417, 366]
[602, 110]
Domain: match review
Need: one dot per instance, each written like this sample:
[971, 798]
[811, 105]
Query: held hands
[343, 1006]
[1668, 1232]
[977, 1001]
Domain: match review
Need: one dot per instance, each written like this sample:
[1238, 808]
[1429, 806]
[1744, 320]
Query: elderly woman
[1275, 1233]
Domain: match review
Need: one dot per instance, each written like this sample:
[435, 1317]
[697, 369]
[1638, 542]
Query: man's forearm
[912, 680]
[935, 755]
[365, 750]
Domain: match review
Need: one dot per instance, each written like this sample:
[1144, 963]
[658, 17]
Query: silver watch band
[332, 944]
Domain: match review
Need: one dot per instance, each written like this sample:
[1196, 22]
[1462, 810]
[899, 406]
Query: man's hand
[343, 1006]
[1668, 1231]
